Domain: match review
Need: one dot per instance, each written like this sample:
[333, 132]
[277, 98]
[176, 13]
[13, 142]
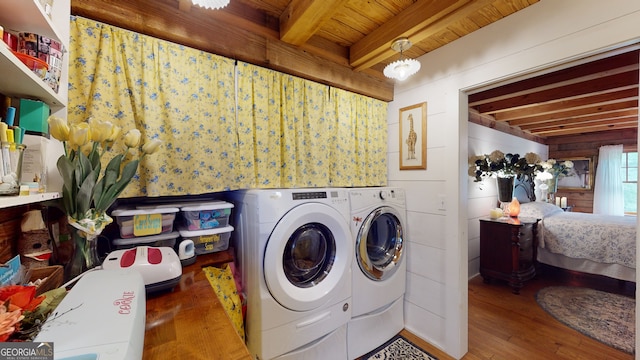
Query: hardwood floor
[507, 326]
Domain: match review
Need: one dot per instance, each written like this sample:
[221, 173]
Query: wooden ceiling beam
[587, 121]
[601, 84]
[215, 32]
[586, 129]
[487, 121]
[302, 18]
[570, 104]
[586, 111]
[602, 66]
[184, 5]
[422, 19]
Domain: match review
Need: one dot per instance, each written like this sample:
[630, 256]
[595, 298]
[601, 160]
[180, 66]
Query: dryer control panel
[311, 195]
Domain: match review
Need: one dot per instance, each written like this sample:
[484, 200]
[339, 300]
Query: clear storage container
[160, 240]
[144, 222]
[208, 241]
[208, 215]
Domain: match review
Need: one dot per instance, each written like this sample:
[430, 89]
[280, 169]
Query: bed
[590, 243]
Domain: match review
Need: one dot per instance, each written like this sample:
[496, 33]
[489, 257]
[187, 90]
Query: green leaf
[113, 170]
[85, 193]
[68, 201]
[111, 173]
[83, 168]
[65, 168]
[94, 157]
[51, 301]
[97, 191]
[111, 193]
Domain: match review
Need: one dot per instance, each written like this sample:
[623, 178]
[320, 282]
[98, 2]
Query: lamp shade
[211, 4]
[402, 69]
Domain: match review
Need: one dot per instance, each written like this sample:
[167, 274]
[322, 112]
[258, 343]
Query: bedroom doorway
[479, 99]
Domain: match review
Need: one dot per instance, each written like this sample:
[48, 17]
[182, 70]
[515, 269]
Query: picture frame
[413, 137]
[582, 174]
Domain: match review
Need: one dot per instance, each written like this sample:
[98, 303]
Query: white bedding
[599, 238]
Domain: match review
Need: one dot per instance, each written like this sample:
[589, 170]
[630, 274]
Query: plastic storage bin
[208, 241]
[167, 239]
[207, 215]
[144, 222]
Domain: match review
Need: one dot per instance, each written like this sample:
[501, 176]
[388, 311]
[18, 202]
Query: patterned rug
[608, 318]
[399, 348]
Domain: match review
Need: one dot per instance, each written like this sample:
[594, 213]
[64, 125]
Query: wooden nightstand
[508, 249]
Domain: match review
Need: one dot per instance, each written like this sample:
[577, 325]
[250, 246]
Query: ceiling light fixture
[401, 69]
[211, 4]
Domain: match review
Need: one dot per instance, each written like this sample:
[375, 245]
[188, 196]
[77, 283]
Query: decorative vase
[553, 188]
[84, 256]
[505, 188]
[505, 193]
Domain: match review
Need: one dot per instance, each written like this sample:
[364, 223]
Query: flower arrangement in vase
[552, 170]
[505, 167]
[88, 189]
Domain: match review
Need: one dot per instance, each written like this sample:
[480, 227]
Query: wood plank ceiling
[342, 43]
[597, 96]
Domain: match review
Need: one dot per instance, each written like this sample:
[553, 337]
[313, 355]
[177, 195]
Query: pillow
[538, 209]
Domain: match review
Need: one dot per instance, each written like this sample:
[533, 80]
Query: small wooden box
[54, 275]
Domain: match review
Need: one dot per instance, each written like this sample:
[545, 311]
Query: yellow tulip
[100, 130]
[151, 147]
[86, 148]
[79, 134]
[59, 128]
[115, 132]
[132, 138]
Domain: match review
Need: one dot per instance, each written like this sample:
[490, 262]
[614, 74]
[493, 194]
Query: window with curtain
[608, 194]
[629, 173]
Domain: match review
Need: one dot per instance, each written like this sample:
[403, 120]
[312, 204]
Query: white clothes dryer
[294, 250]
[378, 225]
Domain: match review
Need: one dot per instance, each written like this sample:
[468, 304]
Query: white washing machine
[378, 225]
[294, 249]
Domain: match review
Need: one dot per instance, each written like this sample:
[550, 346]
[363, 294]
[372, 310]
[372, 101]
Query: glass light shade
[402, 69]
[211, 4]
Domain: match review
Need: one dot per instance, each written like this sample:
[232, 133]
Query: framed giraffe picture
[413, 137]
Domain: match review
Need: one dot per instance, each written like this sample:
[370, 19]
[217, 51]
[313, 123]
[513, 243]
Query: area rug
[608, 318]
[399, 348]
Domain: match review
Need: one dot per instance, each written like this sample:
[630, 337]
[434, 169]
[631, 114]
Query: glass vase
[505, 193]
[84, 256]
[553, 188]
[505, 188]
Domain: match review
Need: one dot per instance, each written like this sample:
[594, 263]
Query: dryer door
[379, 243]
[307, 257]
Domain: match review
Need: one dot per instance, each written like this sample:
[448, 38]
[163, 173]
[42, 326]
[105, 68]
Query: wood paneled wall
[588, 145]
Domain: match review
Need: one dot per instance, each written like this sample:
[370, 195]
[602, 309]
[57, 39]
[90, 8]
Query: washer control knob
[345, 307]
[383, 195]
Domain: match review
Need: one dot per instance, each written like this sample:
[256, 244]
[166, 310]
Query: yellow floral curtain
[297, 133]
[281, 131]
[182, 96]
[360, 151]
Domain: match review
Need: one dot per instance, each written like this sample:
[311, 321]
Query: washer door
[379, 243]
[307, 256]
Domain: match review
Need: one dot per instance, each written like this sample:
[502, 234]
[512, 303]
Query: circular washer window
[307, 257]
[379, 243]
